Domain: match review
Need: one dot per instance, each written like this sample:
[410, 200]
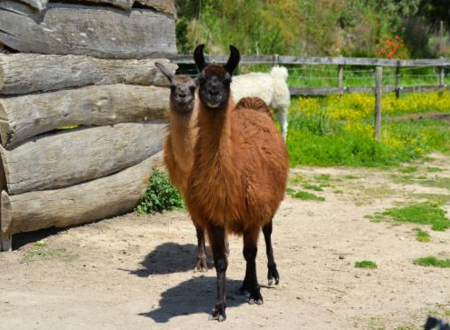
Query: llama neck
[183, 135]
[215, 128]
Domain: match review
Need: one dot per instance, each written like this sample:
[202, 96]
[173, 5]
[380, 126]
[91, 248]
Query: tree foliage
[308, 27]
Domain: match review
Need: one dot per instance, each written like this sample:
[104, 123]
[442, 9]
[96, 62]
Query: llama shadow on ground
[168, 258]
[194, 296]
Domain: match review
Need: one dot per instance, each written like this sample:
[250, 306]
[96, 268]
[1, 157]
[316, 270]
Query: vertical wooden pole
[378, 98]
[341, 76]
[276, 60]
[441, 38]
[397, 80]
[442, 77]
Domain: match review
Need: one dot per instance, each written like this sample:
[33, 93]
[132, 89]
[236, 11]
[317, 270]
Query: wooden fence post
[341, 76]
[442, 76]
[378, 98]
[397, 80]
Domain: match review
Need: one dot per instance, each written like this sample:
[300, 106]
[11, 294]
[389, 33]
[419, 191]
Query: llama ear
[199, 57]
[165, 71]
[233, 61]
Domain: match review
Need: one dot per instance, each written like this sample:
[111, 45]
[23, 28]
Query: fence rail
[340, 62]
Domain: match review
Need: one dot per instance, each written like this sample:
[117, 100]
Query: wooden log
[87, 30]
[85, 202]
[39, 5]
[163, 6]
[25, 73]
[74, 156]
[5, 242]
[22, 117]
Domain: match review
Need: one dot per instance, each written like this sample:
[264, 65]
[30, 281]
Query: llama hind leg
[251, 280]
[218, 243]
[272, 274]
[202, 263]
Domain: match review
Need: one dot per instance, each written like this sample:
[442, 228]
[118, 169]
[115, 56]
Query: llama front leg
[272, 273]
[218, 243]
[251, 280]
[202, 263]
[282, 118]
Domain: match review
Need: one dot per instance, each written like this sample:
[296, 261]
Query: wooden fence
[340, 63]
[90, 66]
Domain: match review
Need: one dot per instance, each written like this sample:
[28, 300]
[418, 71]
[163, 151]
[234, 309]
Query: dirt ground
[136, 272]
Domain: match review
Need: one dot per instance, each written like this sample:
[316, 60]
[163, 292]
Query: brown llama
[239, 174]
[180, 141]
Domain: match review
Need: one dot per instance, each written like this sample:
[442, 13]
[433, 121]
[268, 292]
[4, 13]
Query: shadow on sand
[194, 296]
[168, 258]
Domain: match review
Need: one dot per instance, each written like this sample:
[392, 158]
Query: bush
[160, 195]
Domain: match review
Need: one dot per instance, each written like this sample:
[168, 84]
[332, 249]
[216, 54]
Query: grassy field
[339, 129]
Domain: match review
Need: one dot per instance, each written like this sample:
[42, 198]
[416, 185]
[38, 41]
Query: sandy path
[136, 272]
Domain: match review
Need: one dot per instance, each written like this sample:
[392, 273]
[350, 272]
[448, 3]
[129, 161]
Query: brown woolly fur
[240, 168]
[179, 148]
[253, 103]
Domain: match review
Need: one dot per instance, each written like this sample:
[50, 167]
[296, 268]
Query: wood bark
[22, 117]
[82, 203]
[25, 73]
[74, 156]
[163, 6]
[107, 32]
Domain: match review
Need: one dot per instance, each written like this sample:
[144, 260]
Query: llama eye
[227, 81]
[192, 89]
[172, 88]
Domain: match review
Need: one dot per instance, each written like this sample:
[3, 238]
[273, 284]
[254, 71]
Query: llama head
[215, 80]
[182, 91]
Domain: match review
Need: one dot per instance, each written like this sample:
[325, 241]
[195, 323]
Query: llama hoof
[255, 298]
[202, 266]
[273, 276]
[218, 313]
[244, 290]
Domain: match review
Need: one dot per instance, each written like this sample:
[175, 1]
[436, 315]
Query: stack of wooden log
[82, 108]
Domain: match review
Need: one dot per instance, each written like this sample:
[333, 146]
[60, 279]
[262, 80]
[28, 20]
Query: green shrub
[160, 195]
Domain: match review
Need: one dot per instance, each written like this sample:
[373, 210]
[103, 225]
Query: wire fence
[324, 76]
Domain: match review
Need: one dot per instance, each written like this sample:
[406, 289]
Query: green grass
[318, 140]
[432, 262]
[160, 195]
[422, 236]
[421, 213]
[408, 169]
[41, 254]
[432, 169]
[304, 195]
[312, 187]
[366, 264]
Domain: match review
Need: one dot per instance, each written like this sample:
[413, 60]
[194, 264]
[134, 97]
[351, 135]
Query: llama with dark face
[239, 174]
[179, 143]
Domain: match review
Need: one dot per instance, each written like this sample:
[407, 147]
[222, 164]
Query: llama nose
[214, 91]
[182, 95]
